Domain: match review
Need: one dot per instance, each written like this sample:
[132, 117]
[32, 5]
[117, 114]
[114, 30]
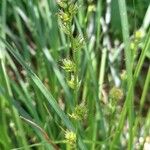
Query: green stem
[146, 87]
[129, 67]
[76, 78]
[76, 63]
[142, 100]
[101, 79]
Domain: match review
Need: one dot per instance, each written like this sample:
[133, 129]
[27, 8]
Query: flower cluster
[115, 95]
[80, 112]
[68, 65]
[123, 75]
[73, 83]
[136, 41]
[67, 11]
[77, 43]
[71, 138]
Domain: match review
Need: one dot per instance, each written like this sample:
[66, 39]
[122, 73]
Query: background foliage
[114, 71]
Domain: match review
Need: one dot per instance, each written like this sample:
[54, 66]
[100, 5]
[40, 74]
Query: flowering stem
[68, 147]
[76, 70]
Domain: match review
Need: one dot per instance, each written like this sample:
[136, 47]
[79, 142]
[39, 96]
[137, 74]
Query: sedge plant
[60, 90]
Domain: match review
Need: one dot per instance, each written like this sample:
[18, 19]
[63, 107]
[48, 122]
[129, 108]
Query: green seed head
[64, 16]
[80, 112]
[132, 46]
[72, 9]
[72, 83]
[139, 34]
[68, 65]
[62, 4]
[123, 75]
[67, 11]
[70, 137]
[78, 43]
[116, 93]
